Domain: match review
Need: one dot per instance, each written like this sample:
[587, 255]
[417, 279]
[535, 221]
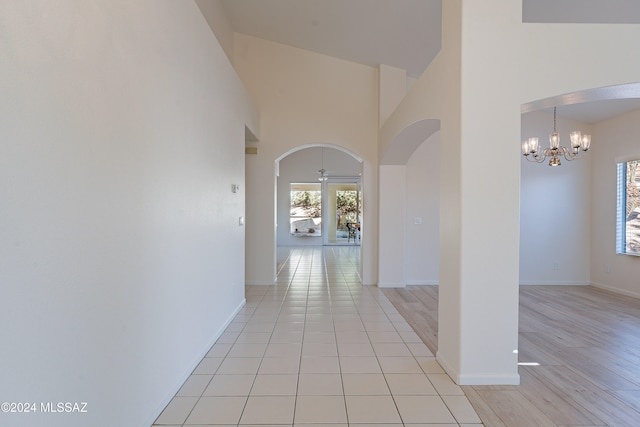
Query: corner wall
[423, 217]
[121, 258]
[620, 139]
[216, 15]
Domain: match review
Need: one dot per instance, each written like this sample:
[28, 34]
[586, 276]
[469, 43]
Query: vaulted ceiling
[406, 33]
[400, 33]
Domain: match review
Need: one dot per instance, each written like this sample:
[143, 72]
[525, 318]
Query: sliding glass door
[343, 211]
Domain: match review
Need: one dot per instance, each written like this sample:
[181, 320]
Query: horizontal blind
[621, 211]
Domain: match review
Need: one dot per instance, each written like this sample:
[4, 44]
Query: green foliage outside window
[347, 204]
[308, 201]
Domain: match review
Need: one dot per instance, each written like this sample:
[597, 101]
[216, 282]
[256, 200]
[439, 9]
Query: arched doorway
[319, 197]
[583, 253]
[398, 217]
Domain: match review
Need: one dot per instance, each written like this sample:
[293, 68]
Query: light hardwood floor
[586, 342]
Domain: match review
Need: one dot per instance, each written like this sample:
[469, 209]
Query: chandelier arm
[568, 154]
[535, 158]
[579, 143]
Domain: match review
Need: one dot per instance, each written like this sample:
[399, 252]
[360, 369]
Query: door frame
[326, 209]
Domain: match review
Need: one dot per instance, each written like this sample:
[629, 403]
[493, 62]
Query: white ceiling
[581, 11]
[400, 33]
[406, 33]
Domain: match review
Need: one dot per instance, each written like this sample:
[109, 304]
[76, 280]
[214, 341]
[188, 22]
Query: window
[306, 209]
[628, 212]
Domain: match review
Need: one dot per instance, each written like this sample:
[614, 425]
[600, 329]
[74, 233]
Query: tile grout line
[332, 287]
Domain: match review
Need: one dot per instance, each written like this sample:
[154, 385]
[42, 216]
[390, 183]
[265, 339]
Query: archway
[317, 217]
[579, 251]
[396, 195]
[606, 93]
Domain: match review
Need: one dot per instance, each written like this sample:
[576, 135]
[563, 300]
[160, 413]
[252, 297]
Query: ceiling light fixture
[324, 175]
[579, 141]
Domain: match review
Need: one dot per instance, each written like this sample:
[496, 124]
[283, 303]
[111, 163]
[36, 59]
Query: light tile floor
[318, 348]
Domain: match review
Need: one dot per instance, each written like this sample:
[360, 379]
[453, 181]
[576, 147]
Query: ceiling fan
[323, 175]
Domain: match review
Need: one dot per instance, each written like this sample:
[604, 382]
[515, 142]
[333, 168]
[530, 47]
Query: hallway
[319, 348]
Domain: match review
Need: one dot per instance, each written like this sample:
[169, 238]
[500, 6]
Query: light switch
[241, 221]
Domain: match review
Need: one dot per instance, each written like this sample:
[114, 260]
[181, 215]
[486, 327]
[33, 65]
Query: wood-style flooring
[584, 347]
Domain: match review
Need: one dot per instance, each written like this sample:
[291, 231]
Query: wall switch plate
[417, 220]
[241, 221]
[235, 188]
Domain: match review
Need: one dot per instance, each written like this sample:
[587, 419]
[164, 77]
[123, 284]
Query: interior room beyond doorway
[319, 198]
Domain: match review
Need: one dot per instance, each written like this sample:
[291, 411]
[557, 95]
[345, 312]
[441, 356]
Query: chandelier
[579, 141]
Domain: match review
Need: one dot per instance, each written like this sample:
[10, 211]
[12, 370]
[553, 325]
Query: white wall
[555, 209]
[215, 13]
[612, 139]
[392, 88]
[422, 255]
[490, 64]
[303, 166]
[121, 258]
[305, 98]
[391, 226]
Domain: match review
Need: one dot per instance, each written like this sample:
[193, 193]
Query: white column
[391, 226]
[479, 221]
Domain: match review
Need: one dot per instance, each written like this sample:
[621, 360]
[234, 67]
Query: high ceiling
[581, 11]
[400, 33]
[406, 33]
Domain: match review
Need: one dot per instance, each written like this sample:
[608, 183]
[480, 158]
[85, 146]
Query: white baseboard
[499, 379]
[554, 283]
[496, 379]
[616, 290]
[423, 283]
[410, 283]
[453, 373]
[258, 283]
[194, 364]
[392, 285]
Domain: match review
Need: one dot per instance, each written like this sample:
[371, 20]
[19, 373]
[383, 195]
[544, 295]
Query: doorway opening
[343, 211]
[314, 208]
